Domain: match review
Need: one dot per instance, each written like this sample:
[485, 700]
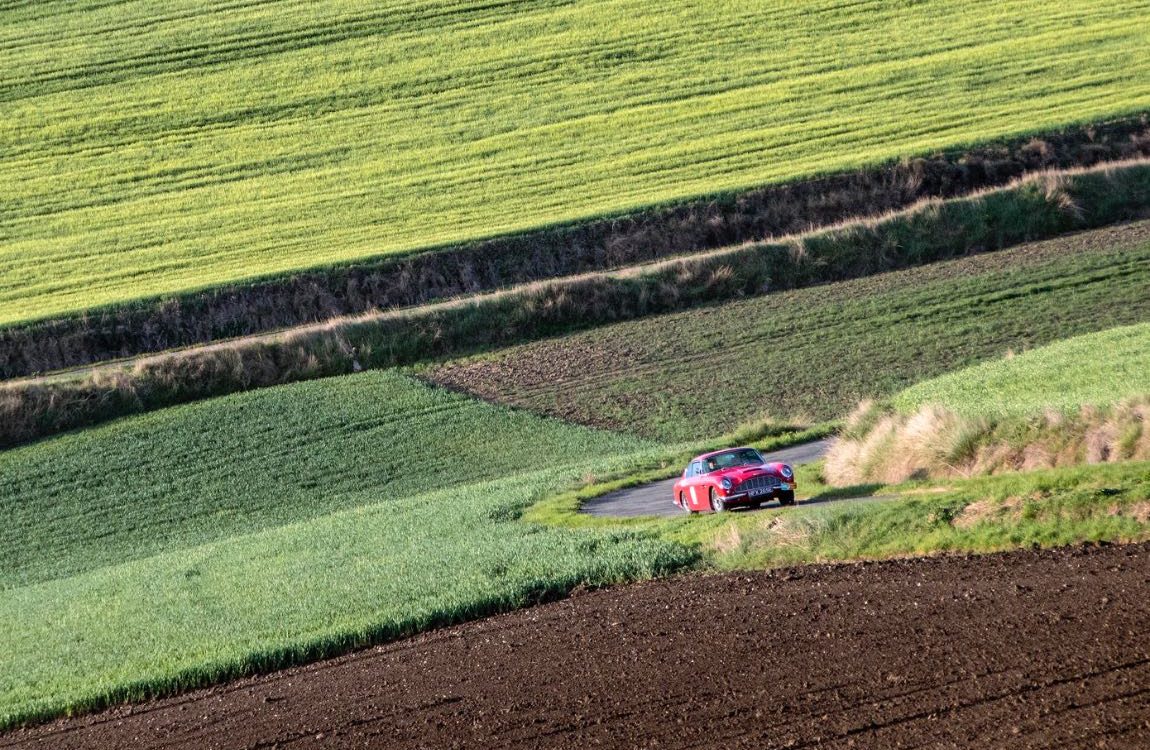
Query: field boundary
[1039, 207]
[437, 273]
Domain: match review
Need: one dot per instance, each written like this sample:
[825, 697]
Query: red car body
[736, 477]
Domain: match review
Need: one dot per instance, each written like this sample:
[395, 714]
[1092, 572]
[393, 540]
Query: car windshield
[727, 459]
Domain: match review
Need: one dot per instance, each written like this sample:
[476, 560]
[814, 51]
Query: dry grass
[903, 447]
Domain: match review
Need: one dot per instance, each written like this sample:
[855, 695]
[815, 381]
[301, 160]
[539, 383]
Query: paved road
[654, 499]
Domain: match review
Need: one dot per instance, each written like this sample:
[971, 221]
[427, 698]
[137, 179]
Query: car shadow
[838, 494]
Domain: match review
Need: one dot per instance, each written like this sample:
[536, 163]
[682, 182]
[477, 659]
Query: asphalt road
[654, 499]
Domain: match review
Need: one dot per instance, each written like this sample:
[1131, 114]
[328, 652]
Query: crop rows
[812, 354]
[164, 146]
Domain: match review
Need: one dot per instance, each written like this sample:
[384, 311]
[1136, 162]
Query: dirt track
[1023, 650]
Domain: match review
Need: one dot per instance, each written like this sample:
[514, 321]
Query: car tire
[787, 498]
[683, 504]
[717, 504]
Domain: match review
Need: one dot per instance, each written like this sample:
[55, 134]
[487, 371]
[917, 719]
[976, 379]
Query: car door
[694, 495]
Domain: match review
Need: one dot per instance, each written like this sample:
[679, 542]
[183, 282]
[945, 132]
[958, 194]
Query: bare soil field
[1032, 649]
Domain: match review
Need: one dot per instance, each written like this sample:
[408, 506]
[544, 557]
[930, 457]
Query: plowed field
[1021, 650]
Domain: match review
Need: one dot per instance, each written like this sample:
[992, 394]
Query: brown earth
[1019, 650]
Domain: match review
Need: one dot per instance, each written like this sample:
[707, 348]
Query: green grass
[1097, 369]
[193, 474]
[813, 354]
[152, 147]
[254, 531]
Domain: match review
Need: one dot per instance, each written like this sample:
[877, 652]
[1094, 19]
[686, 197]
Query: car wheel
[717, 503]
[787, 498]
[683, 503]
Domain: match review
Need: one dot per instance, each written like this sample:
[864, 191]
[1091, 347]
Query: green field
[151, 147]
[1083, 400]
[1097, 369]
[266, 528]
[813, 354]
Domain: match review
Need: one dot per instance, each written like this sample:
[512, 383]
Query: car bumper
[744, 498]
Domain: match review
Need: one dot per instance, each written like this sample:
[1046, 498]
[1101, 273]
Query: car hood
[741, 473]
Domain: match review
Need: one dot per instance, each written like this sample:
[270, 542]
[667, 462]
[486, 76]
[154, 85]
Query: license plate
[758, 493]
[784, 486]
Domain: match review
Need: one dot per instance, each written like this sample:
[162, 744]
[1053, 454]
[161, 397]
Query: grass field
[262, 529]
[813, 354]
[163, 146]
[1097, 369]
[185, 476]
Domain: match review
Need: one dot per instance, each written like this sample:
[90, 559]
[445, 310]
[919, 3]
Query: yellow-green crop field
[154, 147]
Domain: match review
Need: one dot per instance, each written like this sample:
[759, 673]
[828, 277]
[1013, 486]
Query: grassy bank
[1047, 508]
[172, 145]
[266, 529]
[813, 354]
[1039, 207]
[1082, 400]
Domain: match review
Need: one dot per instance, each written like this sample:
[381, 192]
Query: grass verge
[1048, 508]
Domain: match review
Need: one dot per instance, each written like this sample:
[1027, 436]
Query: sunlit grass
[163, 146]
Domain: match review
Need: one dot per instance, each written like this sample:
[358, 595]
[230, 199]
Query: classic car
[737, 477]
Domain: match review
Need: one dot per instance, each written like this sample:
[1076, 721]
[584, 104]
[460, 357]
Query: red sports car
[733, 478]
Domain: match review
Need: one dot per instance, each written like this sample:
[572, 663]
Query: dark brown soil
[1020, 650]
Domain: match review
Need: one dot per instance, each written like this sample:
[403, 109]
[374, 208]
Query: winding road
[654, 499]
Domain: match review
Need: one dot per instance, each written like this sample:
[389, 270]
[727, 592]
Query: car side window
[693, 469]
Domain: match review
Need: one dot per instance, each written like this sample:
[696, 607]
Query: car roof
[724, 450]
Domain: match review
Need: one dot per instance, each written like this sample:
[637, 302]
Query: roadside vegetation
[1042, 206]
[811, 355]
[1082, 400]
[1047, 508]
[174, 146]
